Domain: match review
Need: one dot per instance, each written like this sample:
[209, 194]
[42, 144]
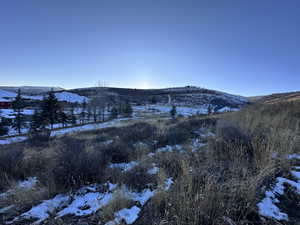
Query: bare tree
[99, 102]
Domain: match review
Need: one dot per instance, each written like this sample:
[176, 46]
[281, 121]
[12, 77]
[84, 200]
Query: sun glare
[144, 85]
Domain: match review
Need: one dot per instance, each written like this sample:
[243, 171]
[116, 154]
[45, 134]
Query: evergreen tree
[50, 109]
[73, 118]
[209, 109]
[127, 111]
[114, 113]
[173, 112]
[83, 112]
[3, 127]
[36, 123]
[153, 100]
[63, 118]
[18, 105]
[89, 113]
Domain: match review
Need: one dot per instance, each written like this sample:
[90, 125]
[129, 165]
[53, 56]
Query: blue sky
[247, 47]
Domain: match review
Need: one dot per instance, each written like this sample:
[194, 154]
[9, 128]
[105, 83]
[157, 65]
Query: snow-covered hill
[61, 96]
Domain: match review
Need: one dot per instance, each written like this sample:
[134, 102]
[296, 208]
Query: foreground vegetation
[218, 182]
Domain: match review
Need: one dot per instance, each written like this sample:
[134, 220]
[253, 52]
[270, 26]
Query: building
[5, 103]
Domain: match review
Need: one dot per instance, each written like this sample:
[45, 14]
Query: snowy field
[63, 131]
[61, 96]
[181, 110]
[138, 111]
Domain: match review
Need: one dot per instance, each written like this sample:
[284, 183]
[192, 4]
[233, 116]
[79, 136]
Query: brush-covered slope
[184, 96]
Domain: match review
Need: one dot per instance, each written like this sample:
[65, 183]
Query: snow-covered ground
[70, 97]
[181, 110]
[61, 96]
[87, 201]
[24, 185]
[90, 199]
[124, 166]
[7, 94]
[267, 207]
[159, 109]
[63, 131]
[9, 113]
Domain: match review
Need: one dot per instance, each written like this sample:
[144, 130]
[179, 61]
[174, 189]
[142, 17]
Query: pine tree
[83, 112]
[209, 109]
[153, 100]
[73, 118]
[18, 105]
[63, 118]
[173, 112]
[50, 109]
[127, 111]
[36, 123]
[3, 128]
[114, 113]
[89, 113]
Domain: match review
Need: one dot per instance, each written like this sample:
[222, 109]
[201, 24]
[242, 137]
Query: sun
[144, 85]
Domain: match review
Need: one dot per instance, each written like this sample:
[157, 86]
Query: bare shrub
[137, 132]
[119, 201]
[138, 179]
[39, 138]
[76, 166]
[119, 152]
[10, 164]
[171, 163]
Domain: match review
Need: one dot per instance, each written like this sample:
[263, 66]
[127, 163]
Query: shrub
[138, 179]
[195, 123]
[10, 164]
[118, 152]
[3, 130]
[171, 163]
[176, 135]
[137, 132]
[75, 166]
[37, 138]
[119, 201]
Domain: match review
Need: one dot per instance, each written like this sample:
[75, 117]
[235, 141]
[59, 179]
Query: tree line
[50, 112]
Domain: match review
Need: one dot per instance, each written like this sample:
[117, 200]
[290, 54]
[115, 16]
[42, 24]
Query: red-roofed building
[5, 104]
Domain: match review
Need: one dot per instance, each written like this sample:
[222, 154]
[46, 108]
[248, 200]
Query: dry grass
[118, 202]
[218, 185]
[223, 184]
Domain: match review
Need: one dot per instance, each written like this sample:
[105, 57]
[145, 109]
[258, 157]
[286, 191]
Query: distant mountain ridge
[31, 90]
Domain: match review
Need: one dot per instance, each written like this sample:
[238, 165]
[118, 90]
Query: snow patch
[294, 156]
[70, 97]
[141, 197]
[29, 183]
[43, 210]
[124, 166]
[5, 209]
[168, 183]
[153, 170]
[267, 206]
[128, 215]
[86, 204]
[169, 148]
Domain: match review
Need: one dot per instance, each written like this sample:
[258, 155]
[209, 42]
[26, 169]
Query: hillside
[180, 96]
[236, 168]
[276, 98]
